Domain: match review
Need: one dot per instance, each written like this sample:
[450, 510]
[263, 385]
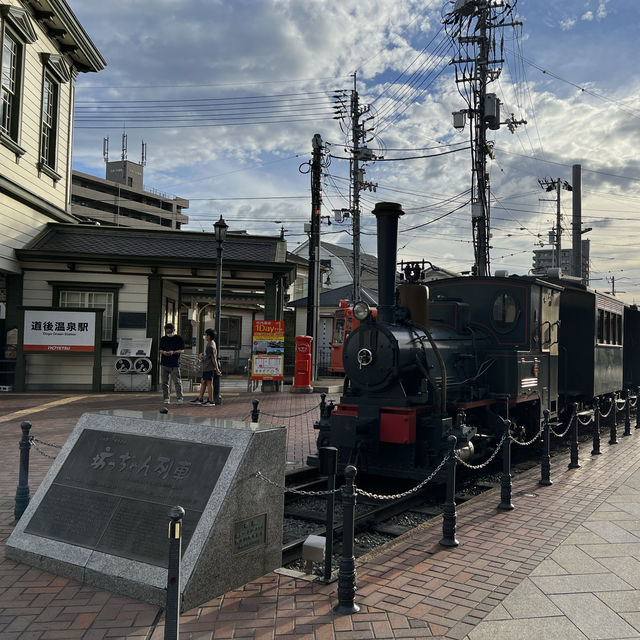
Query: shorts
[207, 375]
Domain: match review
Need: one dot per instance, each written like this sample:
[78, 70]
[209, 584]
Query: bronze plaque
[249, 534]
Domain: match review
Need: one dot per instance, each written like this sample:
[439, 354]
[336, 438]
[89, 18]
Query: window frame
[16, 24]
[55, 74]
[84, 287]
[226, 344]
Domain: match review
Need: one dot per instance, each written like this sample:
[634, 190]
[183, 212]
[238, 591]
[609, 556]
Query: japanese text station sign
[54, 330]
[268, 350]
[114, 490]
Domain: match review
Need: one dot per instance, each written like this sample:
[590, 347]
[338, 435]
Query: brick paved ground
[414, 589]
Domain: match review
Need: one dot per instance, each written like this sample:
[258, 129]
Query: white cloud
[197, 49]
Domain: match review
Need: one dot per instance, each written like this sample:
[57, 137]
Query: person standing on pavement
[210, 369]
[171, 348]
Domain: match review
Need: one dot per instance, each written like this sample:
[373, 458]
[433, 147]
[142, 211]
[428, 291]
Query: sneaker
[166, 400]
[181, 401]
[206, 403]
[196, 401]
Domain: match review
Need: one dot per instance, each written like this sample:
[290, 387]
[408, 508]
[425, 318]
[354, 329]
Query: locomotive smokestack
[387, 214]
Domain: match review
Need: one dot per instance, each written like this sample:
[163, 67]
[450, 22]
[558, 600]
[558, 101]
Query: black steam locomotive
[458, 361]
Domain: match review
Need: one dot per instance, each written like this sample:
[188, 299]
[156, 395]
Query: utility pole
[477, 65]
[360, 154]
[313, 288]
[357, 134]
[549, 185]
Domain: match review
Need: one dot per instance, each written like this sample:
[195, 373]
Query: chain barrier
[298, 492]
[633, 404]
[486, 462]
[526, 444]
[294, 415]
[606, 415]
[621, 406]
[40, 451]
[404, 494]
[564, 433]
[586, 422]
[46, 444]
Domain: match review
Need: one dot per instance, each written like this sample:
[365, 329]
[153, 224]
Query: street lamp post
[220, 228]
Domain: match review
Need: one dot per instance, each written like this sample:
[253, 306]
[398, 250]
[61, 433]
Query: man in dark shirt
[171, 347]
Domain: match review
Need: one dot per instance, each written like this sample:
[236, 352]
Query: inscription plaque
[249, 534]
[113, 492]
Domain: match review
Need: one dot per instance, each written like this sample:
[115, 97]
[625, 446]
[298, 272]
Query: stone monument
[100, 515]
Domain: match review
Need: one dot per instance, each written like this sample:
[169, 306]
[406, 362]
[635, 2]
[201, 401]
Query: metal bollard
[255, 412]
[23, 494]
[323, 404]
[347, 573]
[637, 407]
[329, 468]
[596, 427]
[505, 481]
[573, 460]
[545, 460]
[172, 615]
[627, 412]
[613, 431]
[449, 507]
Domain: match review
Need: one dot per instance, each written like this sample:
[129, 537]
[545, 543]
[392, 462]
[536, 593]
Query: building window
[49, 134]
[16, 32]
[92, 300]
[54, 73]
[9, 85]
[91, 296]
[230, 331]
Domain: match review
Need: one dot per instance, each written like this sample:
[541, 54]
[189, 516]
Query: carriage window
[600, 326]
[619, 326]
[505, 311]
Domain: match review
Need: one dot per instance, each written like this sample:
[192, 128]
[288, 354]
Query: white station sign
[59, 330]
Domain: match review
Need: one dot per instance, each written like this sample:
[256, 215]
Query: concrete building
[544, 259]
[122, 200]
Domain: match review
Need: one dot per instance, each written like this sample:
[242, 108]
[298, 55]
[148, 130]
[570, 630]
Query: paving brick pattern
[413, 589]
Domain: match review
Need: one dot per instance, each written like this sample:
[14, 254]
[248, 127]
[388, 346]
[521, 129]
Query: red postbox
[302, 372]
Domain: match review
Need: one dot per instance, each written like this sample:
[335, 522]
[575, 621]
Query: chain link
[298, 492]
[633, 404]
[584, 423]
[606, 415]
[564, 433]
[40, 451]
[294, 415]
[486, 462]
[46, 444]
[526, 444]
[404, 494]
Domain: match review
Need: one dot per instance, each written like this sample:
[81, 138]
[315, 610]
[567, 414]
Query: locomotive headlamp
[361, 310]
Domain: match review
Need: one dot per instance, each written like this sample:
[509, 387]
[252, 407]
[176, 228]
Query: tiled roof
[86, 240]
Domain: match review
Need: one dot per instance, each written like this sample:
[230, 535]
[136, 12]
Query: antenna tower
[124, 146]
[143, 155]
[472, 26]
[105, 149]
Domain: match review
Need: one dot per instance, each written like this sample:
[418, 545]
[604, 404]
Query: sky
[227, 97]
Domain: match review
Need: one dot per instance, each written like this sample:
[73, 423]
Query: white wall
[64, 371]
